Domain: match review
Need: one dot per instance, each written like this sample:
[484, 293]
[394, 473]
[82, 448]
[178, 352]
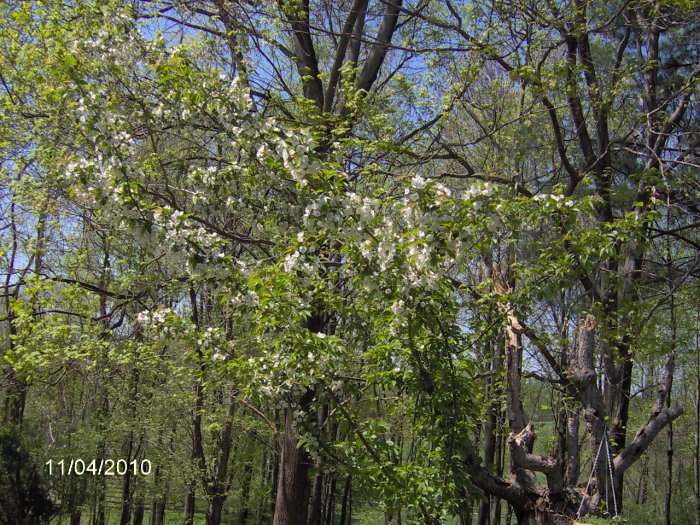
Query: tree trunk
[218, 483]
[215, 509]
[316, 498]
[293, 483]
[346, 498]
[500, 466]
[159, 500]
[643, 482]
[17, 384]
[126, 486]
[129, 452]
[138, 513]
[466, 517]
[669, 449]
[350, 508]
[190, 501]
[160, 511]
[329, 511]
[276, 461]
[492, 436]
[98, 517]
[154, 502]
[294, 487]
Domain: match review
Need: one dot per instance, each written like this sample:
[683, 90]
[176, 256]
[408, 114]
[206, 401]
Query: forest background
[329, 262]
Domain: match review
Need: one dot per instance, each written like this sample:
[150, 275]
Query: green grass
[171, 517]
[595, 520]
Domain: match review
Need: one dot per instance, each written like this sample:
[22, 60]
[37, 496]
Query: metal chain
[610, 468]
[595, 465]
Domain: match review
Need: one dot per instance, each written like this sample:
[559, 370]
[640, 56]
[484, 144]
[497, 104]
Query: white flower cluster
[300, 260]
[482, 189]
[151, 317]
[290, 261]
[247, 299]
[155, 319]
[418, 182]
[213, 341]
[554, 200]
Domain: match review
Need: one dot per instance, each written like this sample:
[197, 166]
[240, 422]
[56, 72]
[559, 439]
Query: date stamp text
[98, 467]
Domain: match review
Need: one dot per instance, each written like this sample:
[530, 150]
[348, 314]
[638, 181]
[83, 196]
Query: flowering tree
[256, 254]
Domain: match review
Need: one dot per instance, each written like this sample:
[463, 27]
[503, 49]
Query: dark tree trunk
[500, 463]
[159, 501]
[489, 453]
[316, 506]
[129, 452]
[215, 510]
[669, 449]
[466, 517]
[276, 460]
[188, 518]
[219, 483]
[160, 511]
[643, 481]
[329, 512]
[126, 487]
[346, 498]
[138, 512]
[316, 498]
[99, 512]
[294, 485]
[491, 436]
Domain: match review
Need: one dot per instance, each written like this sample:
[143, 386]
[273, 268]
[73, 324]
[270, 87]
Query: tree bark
[490, 437]
[138, 512]
[669, 449]
[329, 507]
[159, 500]
[346, 498]
[215, 509]
[316, 504]
[316, 498]
[188, 513]
[126, 488]
[500, 463]
[294, 487]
